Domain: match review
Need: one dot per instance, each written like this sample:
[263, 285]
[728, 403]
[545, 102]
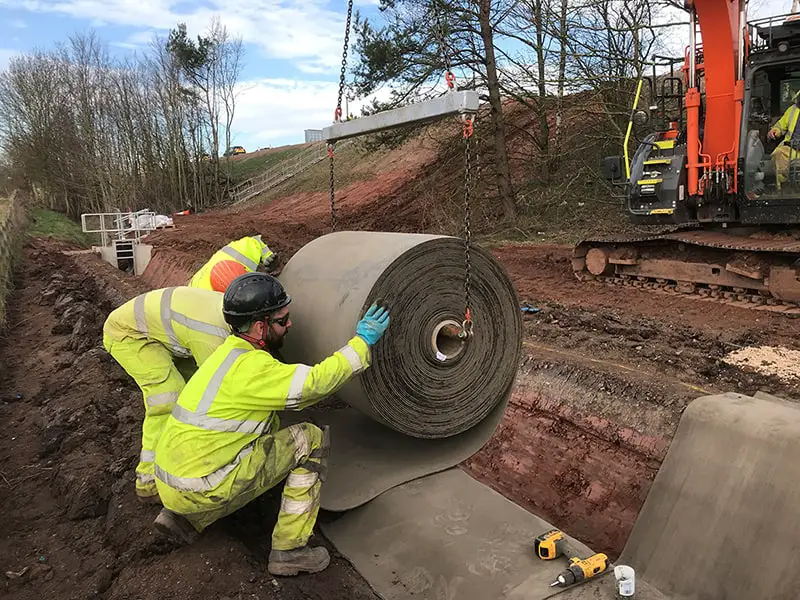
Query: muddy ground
[606, 375]
[599, 394]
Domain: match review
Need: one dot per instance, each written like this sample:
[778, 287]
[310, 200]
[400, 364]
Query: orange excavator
[709, 171]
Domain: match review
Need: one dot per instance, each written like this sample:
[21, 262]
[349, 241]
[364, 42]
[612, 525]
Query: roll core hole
[445, 341]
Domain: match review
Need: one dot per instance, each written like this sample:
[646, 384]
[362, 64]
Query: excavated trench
[579, 445]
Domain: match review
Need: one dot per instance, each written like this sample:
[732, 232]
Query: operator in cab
[789, 148]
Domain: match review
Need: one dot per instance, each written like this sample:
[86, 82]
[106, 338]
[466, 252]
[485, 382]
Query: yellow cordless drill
[552, 544]
[580, 569]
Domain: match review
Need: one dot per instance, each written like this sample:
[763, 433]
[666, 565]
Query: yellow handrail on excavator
[630, 126]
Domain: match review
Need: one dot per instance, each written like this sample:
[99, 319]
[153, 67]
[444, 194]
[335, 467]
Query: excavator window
[772, 164]
[788, 89]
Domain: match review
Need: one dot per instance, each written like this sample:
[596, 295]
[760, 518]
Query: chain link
[337, 115]
[442, 42]
[333, 190]
[344, 59]
[466, 328]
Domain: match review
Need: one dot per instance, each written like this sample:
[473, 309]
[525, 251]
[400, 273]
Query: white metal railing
[282, 171]
[119, 225]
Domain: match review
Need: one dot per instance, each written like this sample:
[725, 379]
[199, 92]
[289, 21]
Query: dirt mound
[72, 527]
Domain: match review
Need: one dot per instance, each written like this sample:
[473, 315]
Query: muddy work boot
[148, 498]
[175, 527]
[301, 560]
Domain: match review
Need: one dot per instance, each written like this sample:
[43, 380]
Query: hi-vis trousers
[153, 369]
[299, 451]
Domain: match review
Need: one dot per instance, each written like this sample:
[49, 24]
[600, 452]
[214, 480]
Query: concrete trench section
[578, 446]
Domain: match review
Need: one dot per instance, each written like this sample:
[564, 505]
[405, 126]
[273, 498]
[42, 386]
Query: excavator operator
[789, 149]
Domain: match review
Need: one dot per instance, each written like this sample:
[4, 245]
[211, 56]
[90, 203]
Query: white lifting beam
[452, 103]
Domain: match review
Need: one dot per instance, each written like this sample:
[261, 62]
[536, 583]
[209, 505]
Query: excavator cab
[762, 186]
[771, 163]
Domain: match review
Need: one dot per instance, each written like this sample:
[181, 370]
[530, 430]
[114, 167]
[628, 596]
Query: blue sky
[292, 49]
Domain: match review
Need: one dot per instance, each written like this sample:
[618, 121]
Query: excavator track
[754, 268]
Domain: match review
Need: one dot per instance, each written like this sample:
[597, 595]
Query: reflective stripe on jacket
[187, 321]
[233, 399]
[248, 251]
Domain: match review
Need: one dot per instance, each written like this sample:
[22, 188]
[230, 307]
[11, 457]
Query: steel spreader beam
[452, 103]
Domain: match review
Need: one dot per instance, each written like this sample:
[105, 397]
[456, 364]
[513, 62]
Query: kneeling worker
[222, 446]
[236, 258]
[144, 336]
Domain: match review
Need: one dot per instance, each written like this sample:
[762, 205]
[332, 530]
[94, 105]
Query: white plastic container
[626, 581]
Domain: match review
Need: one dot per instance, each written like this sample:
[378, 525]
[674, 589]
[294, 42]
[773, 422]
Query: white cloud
[276, 111]
[304, 31]
[18, 24]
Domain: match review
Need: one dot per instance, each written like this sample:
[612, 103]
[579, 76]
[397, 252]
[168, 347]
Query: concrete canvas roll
[430, 399]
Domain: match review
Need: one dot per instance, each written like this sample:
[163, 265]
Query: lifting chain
[337, 115]
[468, 125]
[449, 77]
[466, 326]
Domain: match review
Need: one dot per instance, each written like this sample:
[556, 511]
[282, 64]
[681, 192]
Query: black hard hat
[252, 296]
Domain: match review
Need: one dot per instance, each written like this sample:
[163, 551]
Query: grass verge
[245, 168]
[50, 224]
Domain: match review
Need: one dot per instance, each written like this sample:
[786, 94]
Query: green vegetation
[352, 165]
[50, 224]
[245, 168]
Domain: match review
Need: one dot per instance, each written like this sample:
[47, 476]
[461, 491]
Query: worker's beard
[274, 341]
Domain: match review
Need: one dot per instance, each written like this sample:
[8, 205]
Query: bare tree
[420, 41]
[88, 133]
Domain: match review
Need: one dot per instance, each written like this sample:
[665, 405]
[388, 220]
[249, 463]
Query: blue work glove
[373, 324]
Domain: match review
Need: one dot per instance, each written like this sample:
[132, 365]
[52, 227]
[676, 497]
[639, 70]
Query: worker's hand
[267, 256]
[373, 324]
[773, 133]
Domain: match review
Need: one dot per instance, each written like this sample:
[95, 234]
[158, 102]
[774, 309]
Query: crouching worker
[222, 446]
[241, 256]
[145, 336]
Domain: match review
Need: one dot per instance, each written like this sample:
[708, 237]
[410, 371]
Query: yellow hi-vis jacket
[788, 122]
[248, 251]
[187, 321]
[233, 399]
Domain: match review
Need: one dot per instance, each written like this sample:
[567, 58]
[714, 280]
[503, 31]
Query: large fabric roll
[424, 381]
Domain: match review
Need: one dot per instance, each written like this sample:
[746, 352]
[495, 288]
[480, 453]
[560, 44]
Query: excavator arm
[722, 25]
